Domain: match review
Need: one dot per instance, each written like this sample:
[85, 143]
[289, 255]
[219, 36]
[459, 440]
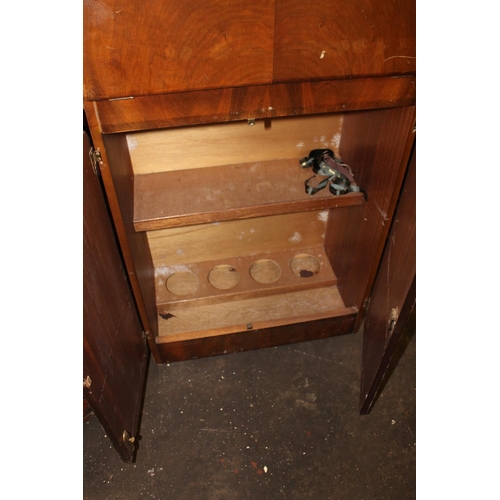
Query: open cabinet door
[115, 355]
[393, 295]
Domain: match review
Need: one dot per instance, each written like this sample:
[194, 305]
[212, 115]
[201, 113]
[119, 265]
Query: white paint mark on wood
[164, 271]
[335, 142]
[132, 142]
[383, 214]
[323, 216]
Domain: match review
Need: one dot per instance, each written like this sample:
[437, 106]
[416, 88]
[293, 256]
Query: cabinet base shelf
[210, 320]
[256, 339]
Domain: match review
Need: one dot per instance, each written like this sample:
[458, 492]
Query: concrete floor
[263, 425]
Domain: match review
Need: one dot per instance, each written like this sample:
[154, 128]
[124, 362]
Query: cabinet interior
[235, 244]
[241, 275]
[228, 171]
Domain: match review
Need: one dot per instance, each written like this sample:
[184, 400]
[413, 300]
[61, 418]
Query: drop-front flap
[144, 47]
[135, 48]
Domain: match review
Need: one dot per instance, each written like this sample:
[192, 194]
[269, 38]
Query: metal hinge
[393, 318]
[146, 336]
[129, 441]
[95, 159]
[365, 306]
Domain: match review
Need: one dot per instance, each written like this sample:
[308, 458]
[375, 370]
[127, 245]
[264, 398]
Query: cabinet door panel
[157, 46]
[333, 38]
[393, 295]
[115, 357]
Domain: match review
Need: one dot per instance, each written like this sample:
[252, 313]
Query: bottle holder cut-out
[240, 277]
[223, 277]
[182, 283]
[305, 265]
[265, 271]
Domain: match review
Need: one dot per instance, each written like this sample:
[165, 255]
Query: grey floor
[267, 424]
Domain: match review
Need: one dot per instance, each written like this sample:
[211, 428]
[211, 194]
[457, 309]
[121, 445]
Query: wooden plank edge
[347, 200]
[258, 101]
[181, 337]
[256, 339]
[171, 307]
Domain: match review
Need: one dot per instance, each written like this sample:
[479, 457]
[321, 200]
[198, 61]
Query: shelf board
[201, 321]
[242, 277]
[229, 192]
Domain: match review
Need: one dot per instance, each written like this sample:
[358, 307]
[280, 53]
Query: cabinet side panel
[377, 145]
[123, 178]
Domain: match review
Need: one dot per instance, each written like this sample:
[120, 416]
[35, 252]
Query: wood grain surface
[394, 293]
[255, 339]
[241, 277]
[184, 148]
[196, 196]
[198, 321]
[231, 239]
[322, 39]
[162, 46]
[378, 143]
[115, 358]
[158, 46]
[258, 101]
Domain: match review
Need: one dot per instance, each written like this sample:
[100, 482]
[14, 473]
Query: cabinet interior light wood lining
[226, 240]
[212, 145]
[230, 279]
[182, 198]
[202, 174]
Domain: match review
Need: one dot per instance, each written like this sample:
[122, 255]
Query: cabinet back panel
[205, 242]
[232, 143]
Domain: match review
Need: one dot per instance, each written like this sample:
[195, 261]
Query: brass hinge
[146, 336]
[95, 159]
[129, 441]
[393, 318]
[365, 306]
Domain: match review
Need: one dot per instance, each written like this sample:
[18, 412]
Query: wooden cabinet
[200, 113]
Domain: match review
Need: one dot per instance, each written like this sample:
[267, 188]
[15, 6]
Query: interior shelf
[181, 286]
[207, 320]
[229, 192]
[241, 293]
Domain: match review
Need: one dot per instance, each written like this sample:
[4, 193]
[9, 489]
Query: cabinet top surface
[155, 47]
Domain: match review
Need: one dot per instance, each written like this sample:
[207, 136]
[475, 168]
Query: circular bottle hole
[223, 277]
[182, 283]
[305, 265]
[265, 271]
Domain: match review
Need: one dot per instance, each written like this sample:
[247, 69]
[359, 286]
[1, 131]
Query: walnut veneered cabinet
[199, 113]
